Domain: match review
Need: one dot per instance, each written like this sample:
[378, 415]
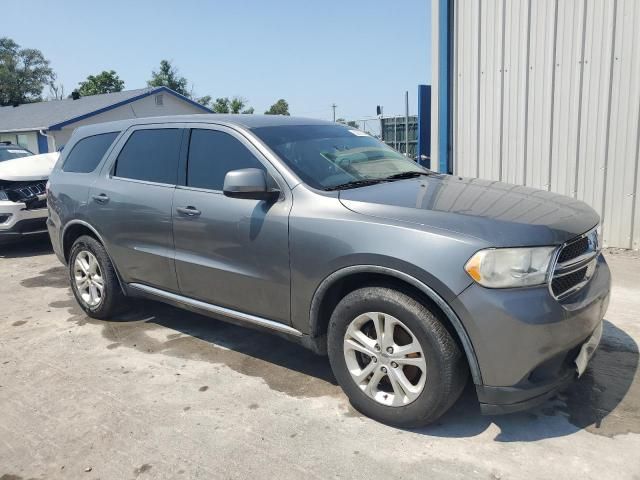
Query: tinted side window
[212, 154]
[151, 155]
[87, 153]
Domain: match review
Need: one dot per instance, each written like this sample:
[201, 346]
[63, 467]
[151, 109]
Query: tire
[442, 372]
[112, 301]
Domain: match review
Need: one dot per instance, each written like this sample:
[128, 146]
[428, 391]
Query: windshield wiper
[356, 184]
[399, 176]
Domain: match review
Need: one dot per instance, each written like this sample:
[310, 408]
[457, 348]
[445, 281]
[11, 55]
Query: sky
[354, 53]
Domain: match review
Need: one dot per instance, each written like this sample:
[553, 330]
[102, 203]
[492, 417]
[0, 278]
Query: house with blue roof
[46, 126]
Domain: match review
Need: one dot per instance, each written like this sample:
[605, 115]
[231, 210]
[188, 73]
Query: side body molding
[437, 299]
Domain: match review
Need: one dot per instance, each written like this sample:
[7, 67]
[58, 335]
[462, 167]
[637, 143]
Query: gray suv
[409, 280]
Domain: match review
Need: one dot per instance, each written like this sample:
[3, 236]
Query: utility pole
[406, 123]
[334, 111]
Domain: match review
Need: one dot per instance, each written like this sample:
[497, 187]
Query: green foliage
[104, 82]
[281, 107]
[24, 72]
[167, 76]
[204, 101]
[234, 105]
[221, 105]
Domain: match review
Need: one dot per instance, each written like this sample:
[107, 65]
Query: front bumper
[502, 400]
[526, 342]
[18, 221]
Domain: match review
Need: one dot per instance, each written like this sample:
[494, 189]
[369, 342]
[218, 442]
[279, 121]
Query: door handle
[102, 198]
[188, 211]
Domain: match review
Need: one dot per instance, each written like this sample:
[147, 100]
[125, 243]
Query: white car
[23, 202]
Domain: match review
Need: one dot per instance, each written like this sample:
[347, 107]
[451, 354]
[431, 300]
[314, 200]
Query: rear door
[131, 204]
[231, 252]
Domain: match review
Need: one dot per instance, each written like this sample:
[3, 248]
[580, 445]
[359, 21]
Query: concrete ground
[163, 393]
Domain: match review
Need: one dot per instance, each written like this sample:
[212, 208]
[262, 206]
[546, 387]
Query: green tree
[221, 105]
[204, 101]
[24, 72]
[234, 105]
[281, 107]
[248, 111]
[104, 82]
[168, 76]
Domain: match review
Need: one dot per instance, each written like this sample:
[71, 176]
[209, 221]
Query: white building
[46, 126]
[544, 93]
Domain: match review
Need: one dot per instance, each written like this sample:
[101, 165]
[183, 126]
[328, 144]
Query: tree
[204, 101]
[248, 111]
[24, 72]
[221, 105]
[234, 105]
[104, 82]
[167, 76]
[281, 107]
[56, 90]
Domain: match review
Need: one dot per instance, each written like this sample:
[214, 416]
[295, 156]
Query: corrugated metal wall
[547, 94]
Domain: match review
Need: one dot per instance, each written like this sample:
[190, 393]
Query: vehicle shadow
[27, 247]
[611, 383]
[605, 401]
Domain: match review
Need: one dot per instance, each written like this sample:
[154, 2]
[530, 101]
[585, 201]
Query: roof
[55, 114]
[248, 121]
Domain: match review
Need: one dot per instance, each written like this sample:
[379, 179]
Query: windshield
[330, 156]
[11, 153]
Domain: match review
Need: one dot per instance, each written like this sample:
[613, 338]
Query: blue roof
[55, 114]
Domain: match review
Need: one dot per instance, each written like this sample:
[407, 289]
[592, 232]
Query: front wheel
[394, 358]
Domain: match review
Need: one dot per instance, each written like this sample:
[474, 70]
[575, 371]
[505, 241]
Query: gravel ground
[162, 393]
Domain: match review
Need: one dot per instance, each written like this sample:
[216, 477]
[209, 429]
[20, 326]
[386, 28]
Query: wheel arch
[347, 279]
[74, 230]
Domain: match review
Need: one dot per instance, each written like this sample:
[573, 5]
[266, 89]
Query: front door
[230, 252]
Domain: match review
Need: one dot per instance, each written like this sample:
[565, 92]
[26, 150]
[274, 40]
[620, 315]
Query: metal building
[392, 132]
[544, 93]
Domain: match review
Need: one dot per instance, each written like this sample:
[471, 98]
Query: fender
[428, 291]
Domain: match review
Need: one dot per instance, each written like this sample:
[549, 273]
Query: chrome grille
[574, 265]
[22, 192]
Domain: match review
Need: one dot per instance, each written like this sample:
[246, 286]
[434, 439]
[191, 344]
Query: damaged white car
[23, 202]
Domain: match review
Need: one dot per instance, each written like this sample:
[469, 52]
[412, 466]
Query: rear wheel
[93, 279]
[393, 357]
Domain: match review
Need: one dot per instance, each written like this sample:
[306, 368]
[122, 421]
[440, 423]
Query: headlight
[510, 267]
[3, 195]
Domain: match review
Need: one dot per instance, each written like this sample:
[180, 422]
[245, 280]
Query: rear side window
[88, 152]
[212, 154]
[151, 155]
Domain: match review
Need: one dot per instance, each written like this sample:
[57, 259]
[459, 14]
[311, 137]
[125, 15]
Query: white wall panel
[491, 41]
[547, 94]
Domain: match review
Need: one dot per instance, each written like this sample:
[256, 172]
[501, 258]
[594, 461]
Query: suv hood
[24, 169]
[499, 213]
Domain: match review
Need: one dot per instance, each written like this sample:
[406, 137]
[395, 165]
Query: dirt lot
[163, 393]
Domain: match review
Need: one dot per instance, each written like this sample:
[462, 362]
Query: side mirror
[248, 183]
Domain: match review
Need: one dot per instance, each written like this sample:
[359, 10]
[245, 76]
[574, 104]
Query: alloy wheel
[88, 278]
[385, 359]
